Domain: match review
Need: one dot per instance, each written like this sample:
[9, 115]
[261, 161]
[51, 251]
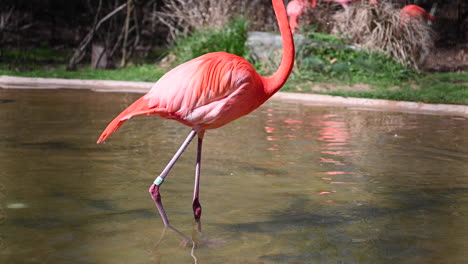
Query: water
[287, 184]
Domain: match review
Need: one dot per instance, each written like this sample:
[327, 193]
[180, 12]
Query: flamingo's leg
[154, 189]
[293, 23]
[197, 209]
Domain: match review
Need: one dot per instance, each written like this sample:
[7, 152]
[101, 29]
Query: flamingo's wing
[199, 82]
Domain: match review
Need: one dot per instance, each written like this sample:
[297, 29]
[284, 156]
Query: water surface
[287, 184]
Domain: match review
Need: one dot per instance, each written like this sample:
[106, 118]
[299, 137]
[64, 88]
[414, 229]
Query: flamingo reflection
[193, 242]
[329, 132]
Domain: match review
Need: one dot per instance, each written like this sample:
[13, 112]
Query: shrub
[329, 58]
[231, 38]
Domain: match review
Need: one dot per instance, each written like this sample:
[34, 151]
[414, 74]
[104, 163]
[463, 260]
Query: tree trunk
[100, 58]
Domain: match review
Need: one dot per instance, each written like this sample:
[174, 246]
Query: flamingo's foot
[197, 209]
[154, 192]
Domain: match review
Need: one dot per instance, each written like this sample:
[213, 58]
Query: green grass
[332, 62]
[27, 59]
[439, 93]
[50, 63]
[143, 73]
[35, 56]
[440, 88]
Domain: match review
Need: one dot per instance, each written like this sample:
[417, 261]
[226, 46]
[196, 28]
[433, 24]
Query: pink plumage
[414, 11]
[200, 93]
[295, 9]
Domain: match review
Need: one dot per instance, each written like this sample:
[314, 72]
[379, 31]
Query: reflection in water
[186, 241]
[287, 184]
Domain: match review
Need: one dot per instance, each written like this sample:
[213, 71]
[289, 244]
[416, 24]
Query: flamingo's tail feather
[139, 107]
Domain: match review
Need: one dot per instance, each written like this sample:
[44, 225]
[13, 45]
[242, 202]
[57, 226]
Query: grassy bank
[444, 88]
[141, 73]
[50, 63]
[448, 88]
[323, 69]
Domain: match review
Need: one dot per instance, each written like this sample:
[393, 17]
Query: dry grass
[378, 28]
[184, 16]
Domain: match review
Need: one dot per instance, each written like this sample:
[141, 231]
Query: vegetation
[143, 73]
[316, 64]
[442, 88]
[380, 28]
[230, 38]
[50, 63]
[182, 17]
[330, 59]
[360, 73]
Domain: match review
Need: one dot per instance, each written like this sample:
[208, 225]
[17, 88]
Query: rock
[265, 45]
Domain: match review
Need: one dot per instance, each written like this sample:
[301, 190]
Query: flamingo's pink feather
[295, 9]
[415, 11]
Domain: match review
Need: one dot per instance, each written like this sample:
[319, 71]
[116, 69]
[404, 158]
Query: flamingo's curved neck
[273, 83]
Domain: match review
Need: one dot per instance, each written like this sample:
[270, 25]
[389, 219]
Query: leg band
[159, 180]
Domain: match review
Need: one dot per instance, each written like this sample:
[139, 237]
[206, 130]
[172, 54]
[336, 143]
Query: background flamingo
[414, 11]
[295, 9]
[345, 3]
[206, 93]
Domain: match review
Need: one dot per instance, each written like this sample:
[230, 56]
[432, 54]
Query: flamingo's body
[413, 11]
[206, 93]
[345, 3]
[295, 9]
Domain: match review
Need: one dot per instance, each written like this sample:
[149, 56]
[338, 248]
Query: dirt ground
[445, 59]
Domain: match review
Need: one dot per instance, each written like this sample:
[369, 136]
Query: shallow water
[287, 184]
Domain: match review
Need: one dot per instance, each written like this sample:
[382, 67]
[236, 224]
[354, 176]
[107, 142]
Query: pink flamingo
[345, 3]
[414, 11]
[206, 93]
[295, 9]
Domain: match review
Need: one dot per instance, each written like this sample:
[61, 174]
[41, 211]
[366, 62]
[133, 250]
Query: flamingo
[414, 11]
[206, 93]
[295, 9]
[345, 3]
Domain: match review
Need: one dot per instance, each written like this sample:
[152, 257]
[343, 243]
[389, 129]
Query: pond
[289, 183]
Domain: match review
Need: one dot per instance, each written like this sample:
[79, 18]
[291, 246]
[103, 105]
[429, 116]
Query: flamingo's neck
[273, 83]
